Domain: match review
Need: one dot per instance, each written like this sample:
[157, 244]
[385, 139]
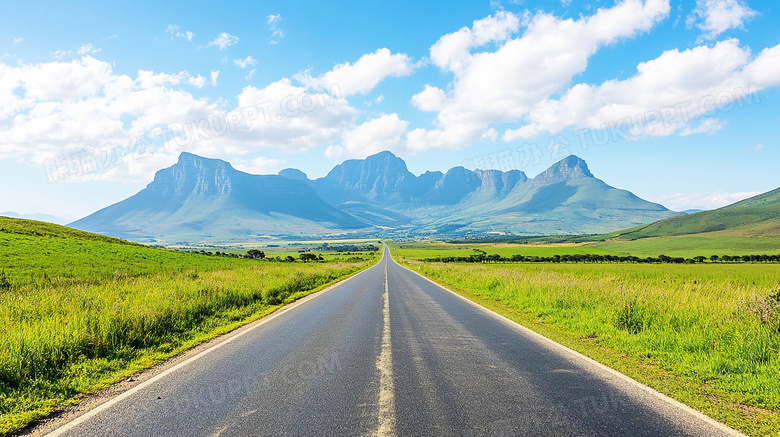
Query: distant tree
[255, 254]
[699, 259]
[290, 259]
[714, 258]
[305, 257]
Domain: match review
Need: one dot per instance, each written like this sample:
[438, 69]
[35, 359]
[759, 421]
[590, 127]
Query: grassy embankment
[80, 311]
[704, 334]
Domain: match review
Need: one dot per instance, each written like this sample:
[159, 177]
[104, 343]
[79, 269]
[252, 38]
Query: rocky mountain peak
[570, 167]
[193, 174]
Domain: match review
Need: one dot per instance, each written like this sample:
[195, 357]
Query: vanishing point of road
[388, 352]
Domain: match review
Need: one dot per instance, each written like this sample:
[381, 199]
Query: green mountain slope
[757, 216]
[38, 253]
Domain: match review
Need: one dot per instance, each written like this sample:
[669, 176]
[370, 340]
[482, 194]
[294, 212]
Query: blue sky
[676, 101]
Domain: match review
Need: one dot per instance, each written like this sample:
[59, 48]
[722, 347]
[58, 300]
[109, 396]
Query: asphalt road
[387, 352]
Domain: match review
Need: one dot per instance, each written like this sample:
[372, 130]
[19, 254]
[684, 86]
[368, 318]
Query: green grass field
[81, 311]
[422, 250]
[705, 334]
[687, 246]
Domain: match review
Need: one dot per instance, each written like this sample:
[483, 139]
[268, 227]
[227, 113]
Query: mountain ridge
[207, 199]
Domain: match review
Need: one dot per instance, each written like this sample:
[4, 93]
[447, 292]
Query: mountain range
[207, 200]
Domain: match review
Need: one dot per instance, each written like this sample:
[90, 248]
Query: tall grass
[76, 336]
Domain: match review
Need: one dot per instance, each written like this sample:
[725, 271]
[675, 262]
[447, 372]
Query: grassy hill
[36, 253]
[757, 216]
[751, 226]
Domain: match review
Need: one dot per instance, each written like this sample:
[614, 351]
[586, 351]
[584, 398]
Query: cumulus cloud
[372, 136]
[223, 40]
[54, 108]
[293, 119]
[717, 16]
[502, 85]
[362, 76]
[668, 95]
[452, 51]
[126, 127]
[430, 99]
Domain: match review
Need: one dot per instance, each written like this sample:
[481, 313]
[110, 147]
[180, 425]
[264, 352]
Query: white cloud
[249, 75]
[490, 134]
[292, 119]
[452, 51]
[707, 126]
[362, 76]
[246, 62]
[373, 136]
[87, 49]
[150, 79]
[52, 109]
[223, 40]
[430, 99]
[198, 81]
[176, 32]
[259, 165]
[274, 24]
[503, 85]
[758, 146]
[706, 201]
[214, 76]
[55, 109]
[717, 16]
[18, 40]
[683, 90]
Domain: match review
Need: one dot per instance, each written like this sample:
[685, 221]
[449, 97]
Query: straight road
[388, 352]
